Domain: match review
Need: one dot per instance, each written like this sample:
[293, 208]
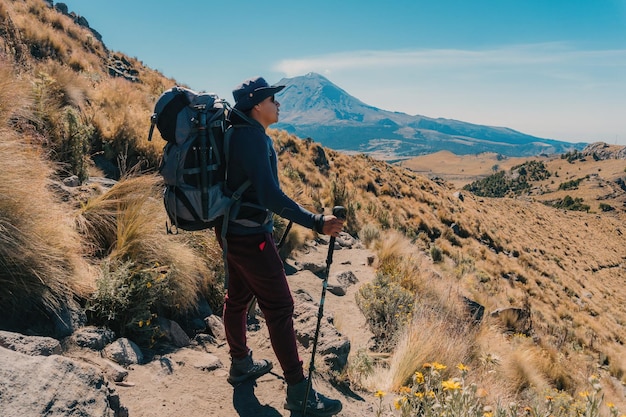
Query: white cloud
[526, 55]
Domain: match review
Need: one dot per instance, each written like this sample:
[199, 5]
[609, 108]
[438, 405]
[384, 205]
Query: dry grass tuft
[126, 224]
[40, 254]
[430, 337]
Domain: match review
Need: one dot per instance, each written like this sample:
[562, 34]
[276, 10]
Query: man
[255, 269]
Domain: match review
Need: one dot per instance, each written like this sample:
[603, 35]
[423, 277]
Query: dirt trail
[182, 384]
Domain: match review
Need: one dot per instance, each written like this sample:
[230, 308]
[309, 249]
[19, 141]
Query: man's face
[266, 112]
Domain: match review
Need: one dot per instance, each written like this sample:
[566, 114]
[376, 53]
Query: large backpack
[195, 126]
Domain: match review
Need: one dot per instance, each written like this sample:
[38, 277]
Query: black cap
[253, 91]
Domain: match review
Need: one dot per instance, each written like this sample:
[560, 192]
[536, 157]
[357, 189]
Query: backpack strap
[236, 196]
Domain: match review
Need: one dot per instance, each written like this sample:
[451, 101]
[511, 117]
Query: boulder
[54, 386]
[30, 345]
[124, 352]
[92, 337]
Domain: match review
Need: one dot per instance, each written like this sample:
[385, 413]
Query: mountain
[312, 106]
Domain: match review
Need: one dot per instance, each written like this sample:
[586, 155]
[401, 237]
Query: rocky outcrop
[119, 66]
[602, 151]
[79, 20]
[54, 386]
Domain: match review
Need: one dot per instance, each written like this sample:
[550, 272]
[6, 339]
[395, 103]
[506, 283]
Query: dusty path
[182, 384]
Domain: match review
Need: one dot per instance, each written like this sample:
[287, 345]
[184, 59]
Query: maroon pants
[255, 269]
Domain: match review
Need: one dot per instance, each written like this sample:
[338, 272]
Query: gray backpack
[195, 126]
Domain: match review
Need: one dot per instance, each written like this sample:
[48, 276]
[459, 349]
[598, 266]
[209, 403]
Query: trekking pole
[339, 212]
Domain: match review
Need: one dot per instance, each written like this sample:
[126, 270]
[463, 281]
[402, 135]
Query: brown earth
[175, 385]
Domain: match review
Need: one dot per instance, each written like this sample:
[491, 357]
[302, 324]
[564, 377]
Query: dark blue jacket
[252, 156]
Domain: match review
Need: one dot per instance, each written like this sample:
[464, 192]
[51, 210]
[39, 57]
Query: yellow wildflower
[450, 385]
[140, 323]
[419, 378]
[438, 366]
[462, 367]
[379, 394]
[419, 394]
[584, 394]
[397, 403]
[610, 405]
[488, 414]
[149, 284]
[405, 390]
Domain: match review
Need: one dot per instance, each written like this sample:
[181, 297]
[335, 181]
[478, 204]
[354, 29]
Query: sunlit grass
[40, 254]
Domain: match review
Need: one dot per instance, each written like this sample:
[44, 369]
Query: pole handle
[339, 212]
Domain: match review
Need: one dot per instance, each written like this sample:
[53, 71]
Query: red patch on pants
[262, 246]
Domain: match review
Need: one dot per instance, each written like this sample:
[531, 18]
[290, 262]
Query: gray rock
[315, 267]
[71, 181]
[208, 363]
[95, 338]
[124, 352]
[346, 278]
[338, 284]
[345, 240]
[30, 345]
[173, 333]
[68, 318]
[54, 386]
[216, 326]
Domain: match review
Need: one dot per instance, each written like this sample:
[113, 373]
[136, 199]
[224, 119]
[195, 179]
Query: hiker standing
[255, 268]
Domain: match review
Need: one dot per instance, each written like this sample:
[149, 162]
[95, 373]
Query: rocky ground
[191, 380]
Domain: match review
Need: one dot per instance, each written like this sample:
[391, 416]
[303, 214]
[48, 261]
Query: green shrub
[75, 148]
[436, 254]
[126, 300]
[387, 307]
[606, 207]
[569, 203]
[369, 233]
[500, 184]
[570, 185]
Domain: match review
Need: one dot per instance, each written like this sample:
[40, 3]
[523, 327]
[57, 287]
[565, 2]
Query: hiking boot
[317, 404]
[247, 368]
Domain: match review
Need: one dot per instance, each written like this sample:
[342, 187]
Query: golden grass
[124, 134]
[42, 266]
[14, 96]
[128, 223]
[429, 338]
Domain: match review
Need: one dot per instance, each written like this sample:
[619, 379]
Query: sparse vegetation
[430, 394]
[570, 185]
[572, 156]
[502, 184]
[569, 203]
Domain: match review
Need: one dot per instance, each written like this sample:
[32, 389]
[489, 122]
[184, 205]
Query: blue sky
[550, 68]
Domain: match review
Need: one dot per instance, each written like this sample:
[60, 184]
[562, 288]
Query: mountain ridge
[312, 106]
